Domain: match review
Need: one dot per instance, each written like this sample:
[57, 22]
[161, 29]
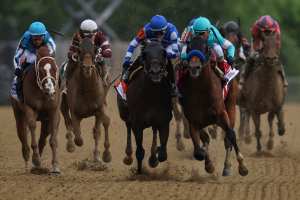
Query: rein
[48, 75]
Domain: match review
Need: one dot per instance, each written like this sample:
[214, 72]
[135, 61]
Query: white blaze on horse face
[49, 84]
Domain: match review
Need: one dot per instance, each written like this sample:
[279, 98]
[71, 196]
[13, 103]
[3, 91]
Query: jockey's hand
[183, 56]
[18, 72]
[230, 60]
[74, 57]
[126, 64]
[98, 58]
[185, 63]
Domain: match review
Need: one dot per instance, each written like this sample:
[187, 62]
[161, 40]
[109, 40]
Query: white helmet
[88, 27]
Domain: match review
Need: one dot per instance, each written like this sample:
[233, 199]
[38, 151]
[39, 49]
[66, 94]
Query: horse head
[269, 52]
[87, 56]
[46, 71]
[155, 61]
[197, 56]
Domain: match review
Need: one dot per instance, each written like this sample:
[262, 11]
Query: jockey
[264, 24]
[89, 28]
[25, 55]
[159, 29]
[201, 27]
[231, 31]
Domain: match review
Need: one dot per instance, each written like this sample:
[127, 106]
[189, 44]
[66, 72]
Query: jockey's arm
[104, 45]
[224, 43]
[51, 46]
[74, 46]
[134, 44]
[18, 57]
[173, 48]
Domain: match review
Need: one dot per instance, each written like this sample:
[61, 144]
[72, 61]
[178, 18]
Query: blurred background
[121, 19]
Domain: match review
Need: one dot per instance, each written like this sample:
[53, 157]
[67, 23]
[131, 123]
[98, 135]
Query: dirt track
[273, 176]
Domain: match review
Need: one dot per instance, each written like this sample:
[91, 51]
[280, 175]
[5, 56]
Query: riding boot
[127, 71]
[19, 88]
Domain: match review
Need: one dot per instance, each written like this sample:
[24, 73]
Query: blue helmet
[158, 23]
[37, 28]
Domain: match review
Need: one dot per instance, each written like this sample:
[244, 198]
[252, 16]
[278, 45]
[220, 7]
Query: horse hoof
[180, 145]
[209, 167]
[200, 155]
[153, 162]
[55, 171]
[281, 131]
[36, 162]
[243, 171]
[78, 141]
[106, 157]
[270, 144]
[70, 147]
[226, 172]
[248, 139]
[162, 155]
[127, 160]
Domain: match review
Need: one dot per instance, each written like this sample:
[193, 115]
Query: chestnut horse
[85, 97]
[264, 92]
[42, 98]
[203, 105]
[148, 105]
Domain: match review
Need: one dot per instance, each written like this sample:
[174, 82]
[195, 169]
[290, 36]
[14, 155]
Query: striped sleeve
[18, 54]
[135, 43]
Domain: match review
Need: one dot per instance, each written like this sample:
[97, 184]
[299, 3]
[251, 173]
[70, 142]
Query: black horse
[148, 105]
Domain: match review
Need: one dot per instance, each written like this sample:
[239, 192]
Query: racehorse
[203, 104]
[41, 96]
[148, 105]
[263, 90]
[85, 97]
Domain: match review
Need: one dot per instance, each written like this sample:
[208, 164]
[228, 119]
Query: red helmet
[266, 23]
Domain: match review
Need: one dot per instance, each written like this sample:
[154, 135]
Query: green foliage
[131, 15]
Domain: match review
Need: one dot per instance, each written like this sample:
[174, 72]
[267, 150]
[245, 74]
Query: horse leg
[153, 162]
[209, 167]
[163, 137]
[76, 129]
[242, 123]
[248, 137]
[140, 152]
[68, 123]
[53, 129]
[199, 153]
[128, 159]
[281, 125]
[256, 120]
[186, 130]
[178, 117]
[31, 117]
[97, 134]
[213, 130]
[270, 143]
[106, 157]
[43, 136]
[22, 132]
[230, 140]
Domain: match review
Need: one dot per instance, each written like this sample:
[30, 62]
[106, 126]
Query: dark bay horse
[203, 105]
[42, 98]
[149, 105]
[85, 97]
[264, 92]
